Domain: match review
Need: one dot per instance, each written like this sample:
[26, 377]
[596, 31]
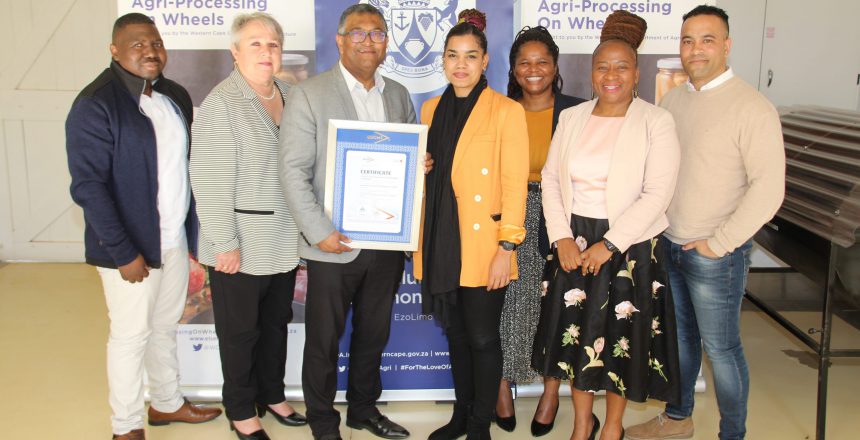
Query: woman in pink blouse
[607, 182]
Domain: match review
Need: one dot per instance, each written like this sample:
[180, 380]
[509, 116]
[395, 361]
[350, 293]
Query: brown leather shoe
[136, 434]
[187, 413]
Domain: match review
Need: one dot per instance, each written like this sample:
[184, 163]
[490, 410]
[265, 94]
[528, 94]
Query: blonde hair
[265, 19]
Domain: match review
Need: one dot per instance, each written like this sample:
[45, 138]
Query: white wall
[812, 50]
[746, 22]
[52, 48]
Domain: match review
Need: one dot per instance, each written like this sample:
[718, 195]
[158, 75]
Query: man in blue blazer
[340, 278]
[127, 138]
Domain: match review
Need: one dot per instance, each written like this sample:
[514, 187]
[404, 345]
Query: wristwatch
[612, 248]
[507, 245]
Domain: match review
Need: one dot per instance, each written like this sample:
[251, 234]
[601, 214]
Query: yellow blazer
[490, 177]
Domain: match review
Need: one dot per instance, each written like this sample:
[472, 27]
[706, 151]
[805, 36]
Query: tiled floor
[53, 329]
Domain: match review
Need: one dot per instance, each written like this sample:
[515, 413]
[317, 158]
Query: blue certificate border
[376, 141]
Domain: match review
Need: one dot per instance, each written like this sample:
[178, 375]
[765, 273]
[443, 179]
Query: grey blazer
[304, 136]
[234, 176]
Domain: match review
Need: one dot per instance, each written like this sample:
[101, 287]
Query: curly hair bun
[474, 17]
[624, 26]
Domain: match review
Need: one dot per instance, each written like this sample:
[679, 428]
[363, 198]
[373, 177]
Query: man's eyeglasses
[358, 36]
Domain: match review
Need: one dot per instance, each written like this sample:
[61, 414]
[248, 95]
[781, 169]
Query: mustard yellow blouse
[540, 135]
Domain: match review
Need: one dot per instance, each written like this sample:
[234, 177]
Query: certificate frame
[347, 203]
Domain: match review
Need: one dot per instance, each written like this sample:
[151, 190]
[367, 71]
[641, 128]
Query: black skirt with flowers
[613, 331]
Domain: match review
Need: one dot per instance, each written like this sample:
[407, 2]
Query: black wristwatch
[612, 248]
[507, 245]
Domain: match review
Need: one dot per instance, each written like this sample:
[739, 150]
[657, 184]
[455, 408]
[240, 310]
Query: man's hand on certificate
[428, 163]
[334, 243]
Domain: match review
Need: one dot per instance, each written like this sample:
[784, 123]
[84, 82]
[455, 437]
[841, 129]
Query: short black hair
[359, 8]
[130, 18]
[709, 10]
[528, 34]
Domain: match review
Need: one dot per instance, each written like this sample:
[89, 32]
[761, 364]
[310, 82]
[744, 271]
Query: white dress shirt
[716, 82]
[368, 103]
[174, 196]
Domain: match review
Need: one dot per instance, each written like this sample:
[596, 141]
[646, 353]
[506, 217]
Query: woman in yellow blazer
[474, 210]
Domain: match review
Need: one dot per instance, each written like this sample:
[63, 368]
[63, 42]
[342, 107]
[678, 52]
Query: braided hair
[625, 27]
[539, 34]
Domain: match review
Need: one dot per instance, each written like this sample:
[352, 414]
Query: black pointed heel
[540, 429]
[256, 435]
[507, 423]
[594, 427]
[294, 419]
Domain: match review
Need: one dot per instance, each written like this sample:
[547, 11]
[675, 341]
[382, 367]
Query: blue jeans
[708, 295]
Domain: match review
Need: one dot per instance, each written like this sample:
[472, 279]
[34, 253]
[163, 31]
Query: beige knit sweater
[732, 176]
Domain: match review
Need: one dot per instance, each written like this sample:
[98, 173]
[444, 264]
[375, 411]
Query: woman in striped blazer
[248, 236]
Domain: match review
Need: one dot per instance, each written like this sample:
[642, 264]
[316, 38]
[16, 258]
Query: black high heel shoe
[541, 429]
[294, 419]
[595, 427]
[256, 435]
[507, 423]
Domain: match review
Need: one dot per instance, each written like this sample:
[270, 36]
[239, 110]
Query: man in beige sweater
[731, 182]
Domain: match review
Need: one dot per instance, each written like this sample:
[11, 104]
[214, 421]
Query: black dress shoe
[294, 419]
[456, 427]
[380, 426]
[595, 427]
[541, 429]
[478, 431]
[256, 435]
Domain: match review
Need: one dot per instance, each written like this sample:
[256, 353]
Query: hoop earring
[635, 91]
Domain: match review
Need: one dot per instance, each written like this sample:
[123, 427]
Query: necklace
[270, 97]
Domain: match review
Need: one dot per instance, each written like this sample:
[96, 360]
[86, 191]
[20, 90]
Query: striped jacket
[234, 176]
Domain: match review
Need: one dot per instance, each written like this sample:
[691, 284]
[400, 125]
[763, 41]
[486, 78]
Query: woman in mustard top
[533, 81]
[473, 219]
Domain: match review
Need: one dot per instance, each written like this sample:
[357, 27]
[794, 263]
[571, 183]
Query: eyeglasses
[358, 36]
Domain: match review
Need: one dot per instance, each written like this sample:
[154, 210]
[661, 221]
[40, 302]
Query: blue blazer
[112, 158]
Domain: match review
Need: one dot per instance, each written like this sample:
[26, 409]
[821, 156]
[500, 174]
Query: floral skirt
[613, 331]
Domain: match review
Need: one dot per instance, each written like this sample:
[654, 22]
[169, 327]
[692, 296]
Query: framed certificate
[375, 182]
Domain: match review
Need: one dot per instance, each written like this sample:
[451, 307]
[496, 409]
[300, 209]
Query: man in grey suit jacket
[338, 276]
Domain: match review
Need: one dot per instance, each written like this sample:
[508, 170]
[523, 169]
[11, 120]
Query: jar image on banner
[670, 73]
[294, 68]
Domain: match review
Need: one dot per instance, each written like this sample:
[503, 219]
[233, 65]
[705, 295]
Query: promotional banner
[576, 24]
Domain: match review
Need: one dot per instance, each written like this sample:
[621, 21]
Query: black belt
[534, 186]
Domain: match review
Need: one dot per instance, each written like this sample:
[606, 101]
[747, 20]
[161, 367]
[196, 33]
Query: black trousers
[368, 284]
[475, 349]
[251, 317]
